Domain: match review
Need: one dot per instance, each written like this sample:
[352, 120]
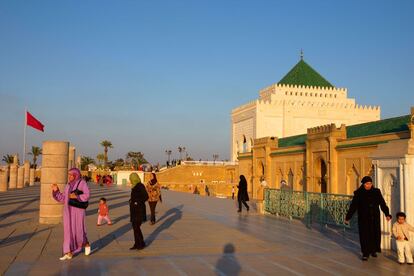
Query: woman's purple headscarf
[76, 172]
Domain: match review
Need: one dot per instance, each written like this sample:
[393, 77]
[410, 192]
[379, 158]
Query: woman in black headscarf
[366, 201]
[242, 195]
[136, 209]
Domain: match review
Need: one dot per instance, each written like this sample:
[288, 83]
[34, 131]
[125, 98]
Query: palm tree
[100, 157]
[106, 144]
[136, 157]
[8, 159]
[36, 151]
[85, 161]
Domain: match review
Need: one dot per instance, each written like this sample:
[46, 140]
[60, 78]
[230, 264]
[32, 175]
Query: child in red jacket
[103, 212]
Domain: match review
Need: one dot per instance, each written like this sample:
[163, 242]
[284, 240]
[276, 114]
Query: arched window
[244, 144]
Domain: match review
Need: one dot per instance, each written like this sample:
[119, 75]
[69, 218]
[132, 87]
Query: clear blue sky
[153, 75]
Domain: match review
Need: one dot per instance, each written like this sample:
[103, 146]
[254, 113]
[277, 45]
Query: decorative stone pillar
[20, 177]
[54, 171]
[26, 173]
[71, 162]
[13, 176]
[31, 177]
[3, 179]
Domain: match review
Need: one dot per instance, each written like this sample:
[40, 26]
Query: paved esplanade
[189, 238]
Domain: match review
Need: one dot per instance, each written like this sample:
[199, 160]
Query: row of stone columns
[57, 159]
[15, 176]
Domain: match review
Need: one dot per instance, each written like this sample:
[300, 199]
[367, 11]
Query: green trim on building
[288, 152]
[303, 74]
[390, 125]
[290, 141]
[385, 126]
[361, 144]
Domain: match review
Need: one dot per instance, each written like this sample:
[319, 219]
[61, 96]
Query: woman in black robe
[366, 201]
[242, 195]
[137, 209]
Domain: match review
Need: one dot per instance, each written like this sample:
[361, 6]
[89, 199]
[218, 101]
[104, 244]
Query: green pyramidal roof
[303, 74]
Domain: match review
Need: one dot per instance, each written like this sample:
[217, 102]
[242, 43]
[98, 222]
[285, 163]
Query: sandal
[65, 257]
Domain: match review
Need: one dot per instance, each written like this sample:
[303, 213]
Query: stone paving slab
[193, 236]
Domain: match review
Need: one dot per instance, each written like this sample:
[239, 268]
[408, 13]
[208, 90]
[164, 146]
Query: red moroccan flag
[33, 122]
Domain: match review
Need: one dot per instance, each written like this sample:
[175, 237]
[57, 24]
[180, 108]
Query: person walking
[103, 212]
[242, 195]
[154, 193]
[366, 201]
[136, 209]
[74, 226]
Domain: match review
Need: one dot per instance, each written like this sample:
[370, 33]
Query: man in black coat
[137, 209]
[242, 195]
[366, 201]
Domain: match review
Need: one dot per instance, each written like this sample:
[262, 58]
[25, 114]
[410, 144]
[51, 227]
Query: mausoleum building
[300, 100]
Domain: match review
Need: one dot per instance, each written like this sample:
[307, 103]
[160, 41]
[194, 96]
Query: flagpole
[24, 135]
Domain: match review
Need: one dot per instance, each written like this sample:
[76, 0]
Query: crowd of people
[104, 179]
[367, 202]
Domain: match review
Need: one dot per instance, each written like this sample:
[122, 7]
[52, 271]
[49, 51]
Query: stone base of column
[50, 214]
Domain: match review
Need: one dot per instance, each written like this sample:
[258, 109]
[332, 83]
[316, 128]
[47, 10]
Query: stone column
[54, 171]
[13, 176]
[26, 173]
[3, 179]
[71, 163]
[20, 177]
[31, 177]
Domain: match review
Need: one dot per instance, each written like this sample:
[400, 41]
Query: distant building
[300, 100]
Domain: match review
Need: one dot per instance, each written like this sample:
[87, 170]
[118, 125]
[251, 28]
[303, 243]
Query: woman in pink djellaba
[74, 228]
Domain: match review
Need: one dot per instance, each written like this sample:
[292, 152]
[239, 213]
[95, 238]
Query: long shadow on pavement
[16, 210]
[22, 237]
[108, 238]
[15, 202]
[12, 223]
[344, 238]
[169, 220]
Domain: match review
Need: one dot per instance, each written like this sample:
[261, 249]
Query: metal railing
[325, 209]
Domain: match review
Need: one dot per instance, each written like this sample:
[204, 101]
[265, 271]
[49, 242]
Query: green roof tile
[296, 140]
[396, 124]
[303, 74]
